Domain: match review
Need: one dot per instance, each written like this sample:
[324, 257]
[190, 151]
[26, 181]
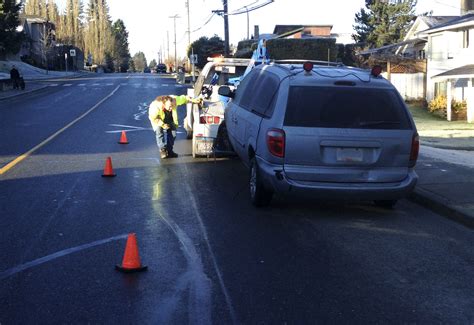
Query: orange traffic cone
[131, 258]
[123, 138]
[108, 170]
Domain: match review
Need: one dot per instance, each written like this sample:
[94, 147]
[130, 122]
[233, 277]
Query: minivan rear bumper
[275, 178]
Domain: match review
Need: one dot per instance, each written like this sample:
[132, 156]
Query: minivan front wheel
[259, 196]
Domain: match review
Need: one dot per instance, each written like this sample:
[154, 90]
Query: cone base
[127, 270]
[123, 142]
[111, 175]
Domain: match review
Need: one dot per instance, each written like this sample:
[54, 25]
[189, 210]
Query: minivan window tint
[259, 94]
[240, 91]
[345, 107]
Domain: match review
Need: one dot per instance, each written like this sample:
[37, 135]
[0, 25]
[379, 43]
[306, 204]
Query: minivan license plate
[349, 154]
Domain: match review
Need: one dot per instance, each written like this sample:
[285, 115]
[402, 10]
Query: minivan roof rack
[299, 61]
[228, 60]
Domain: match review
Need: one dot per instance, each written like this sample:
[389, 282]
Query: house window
[441, 89]
[465, 39]
[421, 54]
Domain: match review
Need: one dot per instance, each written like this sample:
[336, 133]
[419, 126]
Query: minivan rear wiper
[371, 123]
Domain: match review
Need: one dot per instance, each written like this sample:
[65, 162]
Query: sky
[150, 27]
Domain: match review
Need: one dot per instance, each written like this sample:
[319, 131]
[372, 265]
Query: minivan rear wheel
[387, 204]
[259, 196]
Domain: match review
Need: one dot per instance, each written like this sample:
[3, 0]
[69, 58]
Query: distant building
[40, 38]
[313, 31]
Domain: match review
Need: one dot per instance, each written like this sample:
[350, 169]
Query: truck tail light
[415, 148]
[276, 142]
[209, 119]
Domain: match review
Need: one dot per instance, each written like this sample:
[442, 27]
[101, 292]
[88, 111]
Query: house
[40, 34]
[450, 61]
[416, 46]
[313, 31]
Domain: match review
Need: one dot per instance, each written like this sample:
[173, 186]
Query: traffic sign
[72, 52]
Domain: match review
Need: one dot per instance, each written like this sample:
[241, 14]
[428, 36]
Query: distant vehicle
[160, 68]
[202, 121]
[146, 70]
[334, 132]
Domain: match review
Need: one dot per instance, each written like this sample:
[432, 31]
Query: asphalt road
[211, 256]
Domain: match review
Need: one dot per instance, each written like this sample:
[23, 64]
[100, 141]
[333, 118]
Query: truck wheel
[259, 196]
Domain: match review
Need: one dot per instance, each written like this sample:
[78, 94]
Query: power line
[244, 11]
[207, 22]
[244, 7]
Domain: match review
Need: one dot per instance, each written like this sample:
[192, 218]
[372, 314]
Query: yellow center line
[20, 158]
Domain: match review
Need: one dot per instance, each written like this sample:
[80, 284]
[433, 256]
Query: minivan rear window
[345, 107]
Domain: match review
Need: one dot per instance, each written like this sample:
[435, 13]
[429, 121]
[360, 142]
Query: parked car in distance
[202, 121]
[330, 131]
[160, 68]
[146, 70]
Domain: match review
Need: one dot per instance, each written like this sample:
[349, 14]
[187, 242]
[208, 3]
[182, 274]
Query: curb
[23, 93]
[442, 207]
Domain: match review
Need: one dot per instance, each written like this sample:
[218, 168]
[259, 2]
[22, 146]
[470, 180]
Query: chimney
[256, 32]
[467, 6]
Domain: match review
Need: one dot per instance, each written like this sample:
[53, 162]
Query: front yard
[437, 132]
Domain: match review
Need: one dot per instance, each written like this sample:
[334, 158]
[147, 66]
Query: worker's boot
[163, 154]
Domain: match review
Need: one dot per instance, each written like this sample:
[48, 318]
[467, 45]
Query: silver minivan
[331, 131]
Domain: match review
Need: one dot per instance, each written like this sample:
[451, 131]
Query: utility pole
[175, 43]
[225, 15]
[168, 40]
[226, 29]
[189, 24]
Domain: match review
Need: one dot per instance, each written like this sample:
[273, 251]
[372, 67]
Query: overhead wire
[207, 22]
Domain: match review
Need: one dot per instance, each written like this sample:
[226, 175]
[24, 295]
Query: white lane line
[19, 159]
[81, 85]
[165, 85]
[195, 209]
[109, 84]
[22, 267]
[124, 84]
[95, 84]
[53, 85]
[67, 85]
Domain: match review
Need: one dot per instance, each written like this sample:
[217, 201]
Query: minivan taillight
[276, 142]
[415, 148]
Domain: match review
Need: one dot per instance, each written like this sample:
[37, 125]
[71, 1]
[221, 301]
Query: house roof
[280, 29]
[433, 21]
[391, 47]
[466, 71]
[462, 21]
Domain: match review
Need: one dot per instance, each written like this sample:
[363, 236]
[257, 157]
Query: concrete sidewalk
[31, 87]
[446, 174]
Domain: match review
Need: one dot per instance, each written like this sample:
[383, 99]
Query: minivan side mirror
[226, 91]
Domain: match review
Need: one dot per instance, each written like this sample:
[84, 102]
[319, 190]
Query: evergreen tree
[205, 47]
[52, 13]
[98, 38]
[32, 8]
[382, 22]
[139, 61]
[121, 52]
[43, 9]
[152, 64]
[10, 39]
